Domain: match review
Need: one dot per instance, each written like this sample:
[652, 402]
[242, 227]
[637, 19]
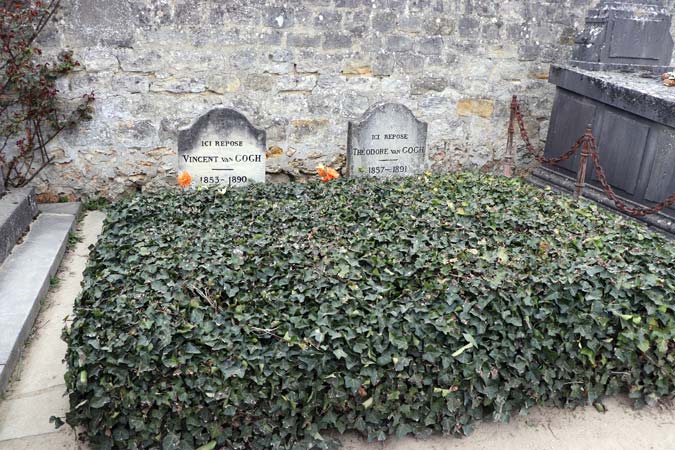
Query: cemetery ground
[274, 315]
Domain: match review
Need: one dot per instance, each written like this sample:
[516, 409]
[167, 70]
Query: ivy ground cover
[274, 315]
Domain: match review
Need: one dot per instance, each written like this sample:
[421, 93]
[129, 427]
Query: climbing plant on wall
[31, 113]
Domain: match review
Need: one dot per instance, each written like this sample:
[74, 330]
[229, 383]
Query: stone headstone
[222, 147]
[388, 141]
[627, 36]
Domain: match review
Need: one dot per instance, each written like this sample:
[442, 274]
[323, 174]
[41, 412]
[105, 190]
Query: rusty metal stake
[508, 160]
[585, 153]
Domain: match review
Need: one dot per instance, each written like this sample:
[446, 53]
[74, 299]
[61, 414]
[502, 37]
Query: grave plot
[274, 316]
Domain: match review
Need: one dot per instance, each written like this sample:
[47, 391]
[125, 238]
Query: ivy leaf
[340, 354]
[403, 430]
[170, 442]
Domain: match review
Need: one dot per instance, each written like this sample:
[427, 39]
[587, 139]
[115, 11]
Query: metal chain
[599, 171]
[621, 205]
[530, 148]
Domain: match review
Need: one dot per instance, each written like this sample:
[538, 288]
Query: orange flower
[184, 180]
[327, 173]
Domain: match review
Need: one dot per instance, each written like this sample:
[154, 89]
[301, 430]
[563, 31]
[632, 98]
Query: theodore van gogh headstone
[222, 147]
[388, 142]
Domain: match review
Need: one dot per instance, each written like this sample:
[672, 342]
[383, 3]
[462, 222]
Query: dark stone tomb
[614, 84]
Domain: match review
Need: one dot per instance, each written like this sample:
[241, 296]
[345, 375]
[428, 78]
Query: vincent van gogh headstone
[388, 142]
[222, 147]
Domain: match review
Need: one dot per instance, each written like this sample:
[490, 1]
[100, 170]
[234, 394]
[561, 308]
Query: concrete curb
[25, 277]
[17, 210]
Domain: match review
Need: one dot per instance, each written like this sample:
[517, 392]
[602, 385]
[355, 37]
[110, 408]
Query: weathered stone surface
[303, 40]
[17, 210]
[427, 84]
[633, 124]
[24, 280]
[336, 40]
[155, 65]
[131, 84]
[629, 35]
[480, 107]
[642, 96]
[222, 147]
[388, 141]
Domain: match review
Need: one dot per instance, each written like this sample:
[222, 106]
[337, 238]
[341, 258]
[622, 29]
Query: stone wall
[301, 69]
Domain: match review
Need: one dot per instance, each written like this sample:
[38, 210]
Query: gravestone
[222, 147]
[389, 141]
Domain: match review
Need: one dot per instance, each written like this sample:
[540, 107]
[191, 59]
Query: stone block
[411, 24]
[102, 21]
[24, 280]
[258, 82]
[337, 40]
[384, 21]
[137, 133]
[96, 59]
[469, 27]
[303, 40]
[427, 84]
[296, 83]
[645, 97]
[399, 43]
[179, 85]
[626, 35]
[430, 45]
[18, 207]
[279, 17]
[477, 107]
[328, 19]
[131, 84]
[353, 68]
[408, 63]
[348, 3]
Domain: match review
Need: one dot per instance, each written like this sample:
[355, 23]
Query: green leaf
[403, 430]
[170, 442]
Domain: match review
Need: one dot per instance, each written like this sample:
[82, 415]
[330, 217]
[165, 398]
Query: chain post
[589, 149]
[508, 160]
[585, 153]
